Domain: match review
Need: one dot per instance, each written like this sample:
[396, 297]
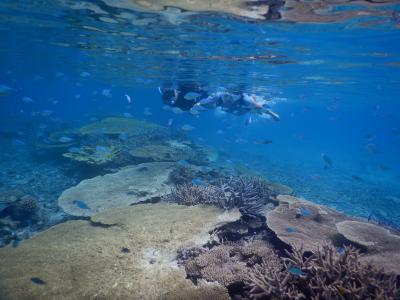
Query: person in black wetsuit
[193, 98]
[174, 95]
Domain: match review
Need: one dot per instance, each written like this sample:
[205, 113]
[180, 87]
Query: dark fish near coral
[327, 161]
[80, 204]
[125, 250]
[37, 280]
[262, 142]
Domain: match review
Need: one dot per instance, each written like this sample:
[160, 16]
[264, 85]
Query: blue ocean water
[335, 86]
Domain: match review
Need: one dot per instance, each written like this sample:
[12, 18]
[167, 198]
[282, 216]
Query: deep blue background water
[336, 86]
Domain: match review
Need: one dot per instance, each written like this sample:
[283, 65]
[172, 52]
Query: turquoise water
[335, 86]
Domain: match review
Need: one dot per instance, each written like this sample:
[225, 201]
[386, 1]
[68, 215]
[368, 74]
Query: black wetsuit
[169, 96]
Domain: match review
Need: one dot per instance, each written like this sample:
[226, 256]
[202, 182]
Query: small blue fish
[340, 250]
[65, 139]
[183, 163]
[80, 204]
[305, 212]
[197, 181]
[248, 121]
[18, 142]
[74, 150]
[290, 229]
[327, 161]
[296, 271]
[4, 90]
[37, 280]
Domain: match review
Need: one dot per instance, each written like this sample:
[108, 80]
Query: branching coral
[226, 264]
[181, 175]
[249, 194]
[326, 274]
[188, 194]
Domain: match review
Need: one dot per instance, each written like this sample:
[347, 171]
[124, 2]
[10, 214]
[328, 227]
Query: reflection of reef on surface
[297, 11]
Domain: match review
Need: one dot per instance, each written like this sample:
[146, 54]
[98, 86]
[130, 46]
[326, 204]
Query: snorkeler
[194, 99]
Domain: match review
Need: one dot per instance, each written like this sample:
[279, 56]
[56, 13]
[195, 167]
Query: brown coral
[326, 274]
[227, 264]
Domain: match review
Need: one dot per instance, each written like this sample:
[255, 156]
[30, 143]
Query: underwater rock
[143, 182]
[79, 260]
[305, 225]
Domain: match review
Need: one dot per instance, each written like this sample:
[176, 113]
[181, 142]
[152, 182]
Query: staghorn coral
[189, 194]
[249, 194]
[326, 274]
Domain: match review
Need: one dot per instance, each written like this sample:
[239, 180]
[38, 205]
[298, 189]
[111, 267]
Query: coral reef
[326, 274]
[133, 184]
[182, 175]
[189, 194]
[116, 126]
[156, 152]
[94, 155]
[8, 197]
[25, 208]
[226, 264]
[249, 194]
[302, 224]
[79, 259]
[382, 245]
